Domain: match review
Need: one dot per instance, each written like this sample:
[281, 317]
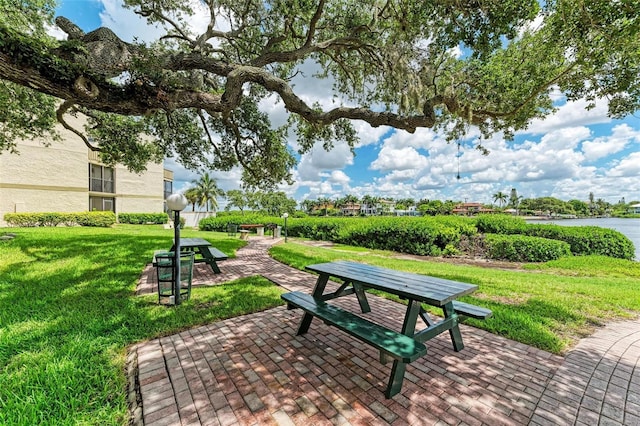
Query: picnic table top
[194, 242]
[432, 290]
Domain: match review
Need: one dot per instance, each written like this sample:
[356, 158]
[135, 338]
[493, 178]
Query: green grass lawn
[68, 313]
[549, 305]
[68, 310]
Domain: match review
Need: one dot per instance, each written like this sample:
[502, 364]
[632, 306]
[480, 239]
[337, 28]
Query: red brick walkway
[253, 370]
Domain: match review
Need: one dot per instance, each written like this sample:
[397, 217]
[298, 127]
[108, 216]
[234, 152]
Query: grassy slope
[69, 312]
[549, 306]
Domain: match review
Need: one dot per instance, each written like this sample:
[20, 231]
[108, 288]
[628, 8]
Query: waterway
[629, 227]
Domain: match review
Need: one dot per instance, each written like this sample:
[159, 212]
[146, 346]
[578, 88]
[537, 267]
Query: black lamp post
[176, 202]
[286, 215]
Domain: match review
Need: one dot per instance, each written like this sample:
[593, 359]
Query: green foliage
[500, 224]
[99, 219]
[522, 248]
[96, 219]
[583, 240]
[220, 222]
[587, 240]
[421, 236]
[208, 105]
[143, 218]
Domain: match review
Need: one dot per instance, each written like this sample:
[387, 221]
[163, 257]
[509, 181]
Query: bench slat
[471, 311]
[217, 254]
[396, 345]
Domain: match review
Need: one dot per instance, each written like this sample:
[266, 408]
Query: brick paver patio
[253, 370]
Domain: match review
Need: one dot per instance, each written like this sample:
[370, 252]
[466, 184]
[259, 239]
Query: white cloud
[627, 167]
[570, 114]
[605, 146]
[126, 24]
[398, 159]
[56, 32]
[339, 177]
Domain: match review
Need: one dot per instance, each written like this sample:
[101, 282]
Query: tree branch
[62, 109]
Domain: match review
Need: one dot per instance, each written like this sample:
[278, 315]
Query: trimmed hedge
[522, 248]
[583, 240]
[219, 223]
[96, 219]
[421, 236]
[500, 224]
[587, 240]
[143, 218]
[434, 236]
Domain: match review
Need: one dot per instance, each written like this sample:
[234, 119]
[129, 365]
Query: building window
[168, 188]
[102, 204]
[101, 179]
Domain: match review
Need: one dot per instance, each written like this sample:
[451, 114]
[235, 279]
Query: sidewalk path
[254, 370]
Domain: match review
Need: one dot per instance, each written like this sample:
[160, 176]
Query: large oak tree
[442, 64]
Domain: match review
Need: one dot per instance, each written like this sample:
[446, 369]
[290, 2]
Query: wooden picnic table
[247, 226]
[203, 250]
[404, 346]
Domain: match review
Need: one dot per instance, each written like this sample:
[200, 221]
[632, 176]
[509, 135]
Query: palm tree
[514, 199]
[207, 190]
[324, 202]
[191, 195]
[500, 197]
[308, 205]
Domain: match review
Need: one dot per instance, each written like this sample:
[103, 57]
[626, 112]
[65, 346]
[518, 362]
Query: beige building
[68, 177]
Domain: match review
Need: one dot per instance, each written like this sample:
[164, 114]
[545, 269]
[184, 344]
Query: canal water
[629, 227]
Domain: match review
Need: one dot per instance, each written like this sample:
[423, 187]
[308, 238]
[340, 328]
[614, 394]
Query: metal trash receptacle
[165, 273]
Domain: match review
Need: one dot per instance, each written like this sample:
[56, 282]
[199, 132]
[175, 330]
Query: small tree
[236, 198]
[207, 192]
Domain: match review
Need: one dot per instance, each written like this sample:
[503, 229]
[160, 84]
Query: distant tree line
[276, 203]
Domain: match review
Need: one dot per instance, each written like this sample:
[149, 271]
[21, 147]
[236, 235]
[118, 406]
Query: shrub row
[421, 236]
[143, 218]
[220, 223]
[442, 235]
[97, 219]
[583, 240]
[522, 248]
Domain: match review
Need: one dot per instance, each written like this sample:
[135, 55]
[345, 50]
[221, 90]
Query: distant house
[635, 208]
[68, 177]
[470, 209]
[382, 207]
[351, 209]
[411, 211]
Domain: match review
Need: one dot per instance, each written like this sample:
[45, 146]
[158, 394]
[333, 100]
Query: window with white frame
[101, 179]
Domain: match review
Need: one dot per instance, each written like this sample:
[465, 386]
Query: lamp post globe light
[285, 216]
[176, 202]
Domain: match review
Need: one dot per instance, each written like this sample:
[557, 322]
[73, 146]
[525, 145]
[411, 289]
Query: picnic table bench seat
[217, 255]
[389, 342]
[471, 311]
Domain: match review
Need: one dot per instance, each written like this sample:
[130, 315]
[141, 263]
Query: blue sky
[568, 155]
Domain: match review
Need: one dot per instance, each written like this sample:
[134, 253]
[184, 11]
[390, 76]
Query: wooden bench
[389, 342]
[470, 311]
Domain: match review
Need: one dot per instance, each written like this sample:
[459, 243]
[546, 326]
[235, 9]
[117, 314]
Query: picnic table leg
[454, 331]
[305, 323]
[209, 259]
[362, 298]
[398, 369]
